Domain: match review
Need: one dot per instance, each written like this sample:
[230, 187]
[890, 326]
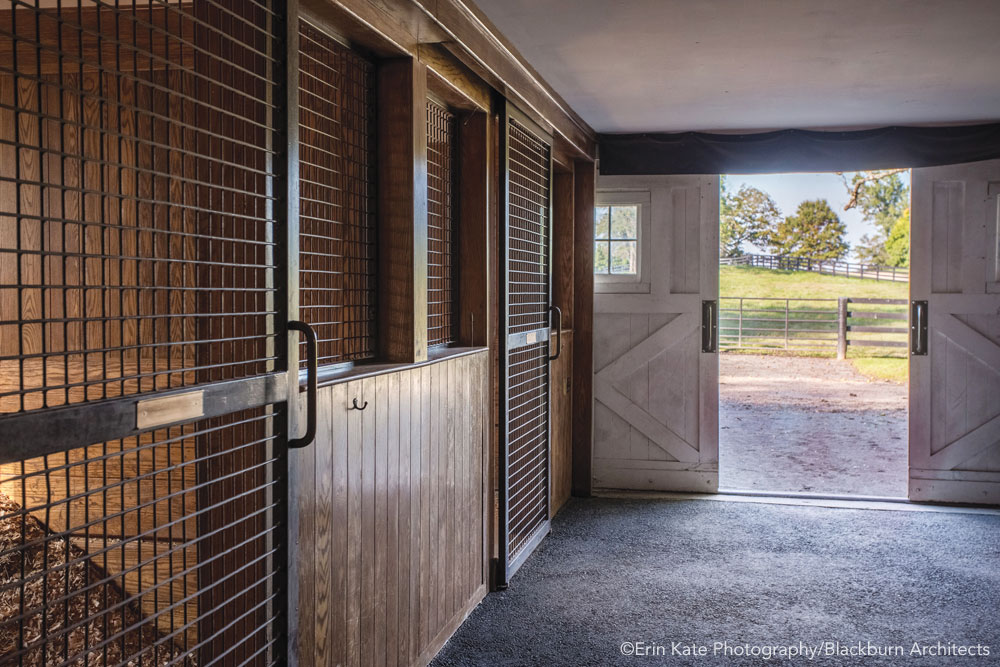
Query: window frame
[626, 283]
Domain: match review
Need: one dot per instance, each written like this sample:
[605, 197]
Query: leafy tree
[897, 246]
[814, 231]
[749, 216]
[881, 197]
[871, 250]
[883, 201]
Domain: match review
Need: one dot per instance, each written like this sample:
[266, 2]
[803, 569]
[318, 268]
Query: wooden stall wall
[561, 387]
[393, 521]
[561, 429]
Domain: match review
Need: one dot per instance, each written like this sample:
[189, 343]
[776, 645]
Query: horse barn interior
[303, 359]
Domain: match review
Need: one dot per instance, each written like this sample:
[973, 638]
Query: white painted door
[656, 394]
[955, 387]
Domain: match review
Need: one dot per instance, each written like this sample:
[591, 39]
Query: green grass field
[819, 319]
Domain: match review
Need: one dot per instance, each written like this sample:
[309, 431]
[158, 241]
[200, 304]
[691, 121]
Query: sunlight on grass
[889, 369]
[814, 320]
[759, 282]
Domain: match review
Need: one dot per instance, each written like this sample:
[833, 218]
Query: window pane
[601, 216]
[623, 222]
[601, 257]
[623, 257]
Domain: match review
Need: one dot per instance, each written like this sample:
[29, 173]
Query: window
[616, 230]
[441, 253]
[620, 225]
[337, 197]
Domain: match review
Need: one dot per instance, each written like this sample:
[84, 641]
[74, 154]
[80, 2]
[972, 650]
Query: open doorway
[813, 330]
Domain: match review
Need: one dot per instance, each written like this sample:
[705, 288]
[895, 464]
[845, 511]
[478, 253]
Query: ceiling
[675, 65]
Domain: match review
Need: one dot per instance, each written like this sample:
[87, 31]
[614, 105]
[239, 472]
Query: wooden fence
[813, 325]
[833, 267]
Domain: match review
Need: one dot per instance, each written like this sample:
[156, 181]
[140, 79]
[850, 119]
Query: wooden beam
[472, 230]
[392, 26]
[452, 81]
[583, 327]
[402, 210]
[563, 223]
[489, 53]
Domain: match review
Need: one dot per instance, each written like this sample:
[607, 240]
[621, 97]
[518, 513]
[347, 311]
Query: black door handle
[311, 386]
[918, 328]
[709, 326]
[558, 332]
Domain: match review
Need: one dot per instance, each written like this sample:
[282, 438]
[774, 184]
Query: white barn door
[656, 400]
[955, 381]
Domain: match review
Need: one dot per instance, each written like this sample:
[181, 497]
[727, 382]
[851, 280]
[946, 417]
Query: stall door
[656, 371]
[143, 351]
[524, 503]
[955, 326]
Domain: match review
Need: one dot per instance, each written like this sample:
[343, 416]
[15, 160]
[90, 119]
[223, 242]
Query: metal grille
[337, 205]
[135, 208]
[441, 251]
[527, 444]
[526, 384]
[528, 230]
[155, 549]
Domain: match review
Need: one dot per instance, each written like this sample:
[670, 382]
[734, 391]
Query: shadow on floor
[659, 571]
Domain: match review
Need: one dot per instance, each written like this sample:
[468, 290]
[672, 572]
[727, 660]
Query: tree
[897, 246]
[749, 216]
[814, 231]
[882, 199]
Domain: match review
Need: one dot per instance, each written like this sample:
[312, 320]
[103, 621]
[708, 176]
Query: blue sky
[788, 190]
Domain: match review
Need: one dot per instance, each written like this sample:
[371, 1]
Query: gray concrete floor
[810, 425]
[701, 571]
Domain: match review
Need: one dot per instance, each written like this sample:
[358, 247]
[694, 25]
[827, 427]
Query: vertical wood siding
[394, 503]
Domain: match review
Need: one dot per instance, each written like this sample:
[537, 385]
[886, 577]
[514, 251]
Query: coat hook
[358, 407]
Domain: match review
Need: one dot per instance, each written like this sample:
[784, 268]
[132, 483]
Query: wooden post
[583, 327]
[473, 234]
[402, 210]
[842, 327]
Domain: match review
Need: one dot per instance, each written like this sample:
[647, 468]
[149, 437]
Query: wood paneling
[394, 514]
[583, 326]
[561, 429]
[402, 210]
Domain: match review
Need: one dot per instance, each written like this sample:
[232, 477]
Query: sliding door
[144, 307]
[525, 320]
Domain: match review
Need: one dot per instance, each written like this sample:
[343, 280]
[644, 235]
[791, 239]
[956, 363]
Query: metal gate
[525, 333]
[144, 314]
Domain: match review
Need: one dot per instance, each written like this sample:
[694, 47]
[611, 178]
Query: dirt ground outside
[809, 425]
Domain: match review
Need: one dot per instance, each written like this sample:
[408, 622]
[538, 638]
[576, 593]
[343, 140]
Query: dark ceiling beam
[796, 150]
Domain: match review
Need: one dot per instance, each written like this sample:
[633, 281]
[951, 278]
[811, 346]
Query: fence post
[842, 327]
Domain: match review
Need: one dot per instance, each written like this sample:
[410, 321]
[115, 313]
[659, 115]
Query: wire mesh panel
[135, 206]
[528, 230]
[441, 211]
[337, 205]
[526, 378]
[527, 444]
[150, 550]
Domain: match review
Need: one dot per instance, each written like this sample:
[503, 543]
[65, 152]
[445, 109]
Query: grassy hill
[876, 363]
[758, 282]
